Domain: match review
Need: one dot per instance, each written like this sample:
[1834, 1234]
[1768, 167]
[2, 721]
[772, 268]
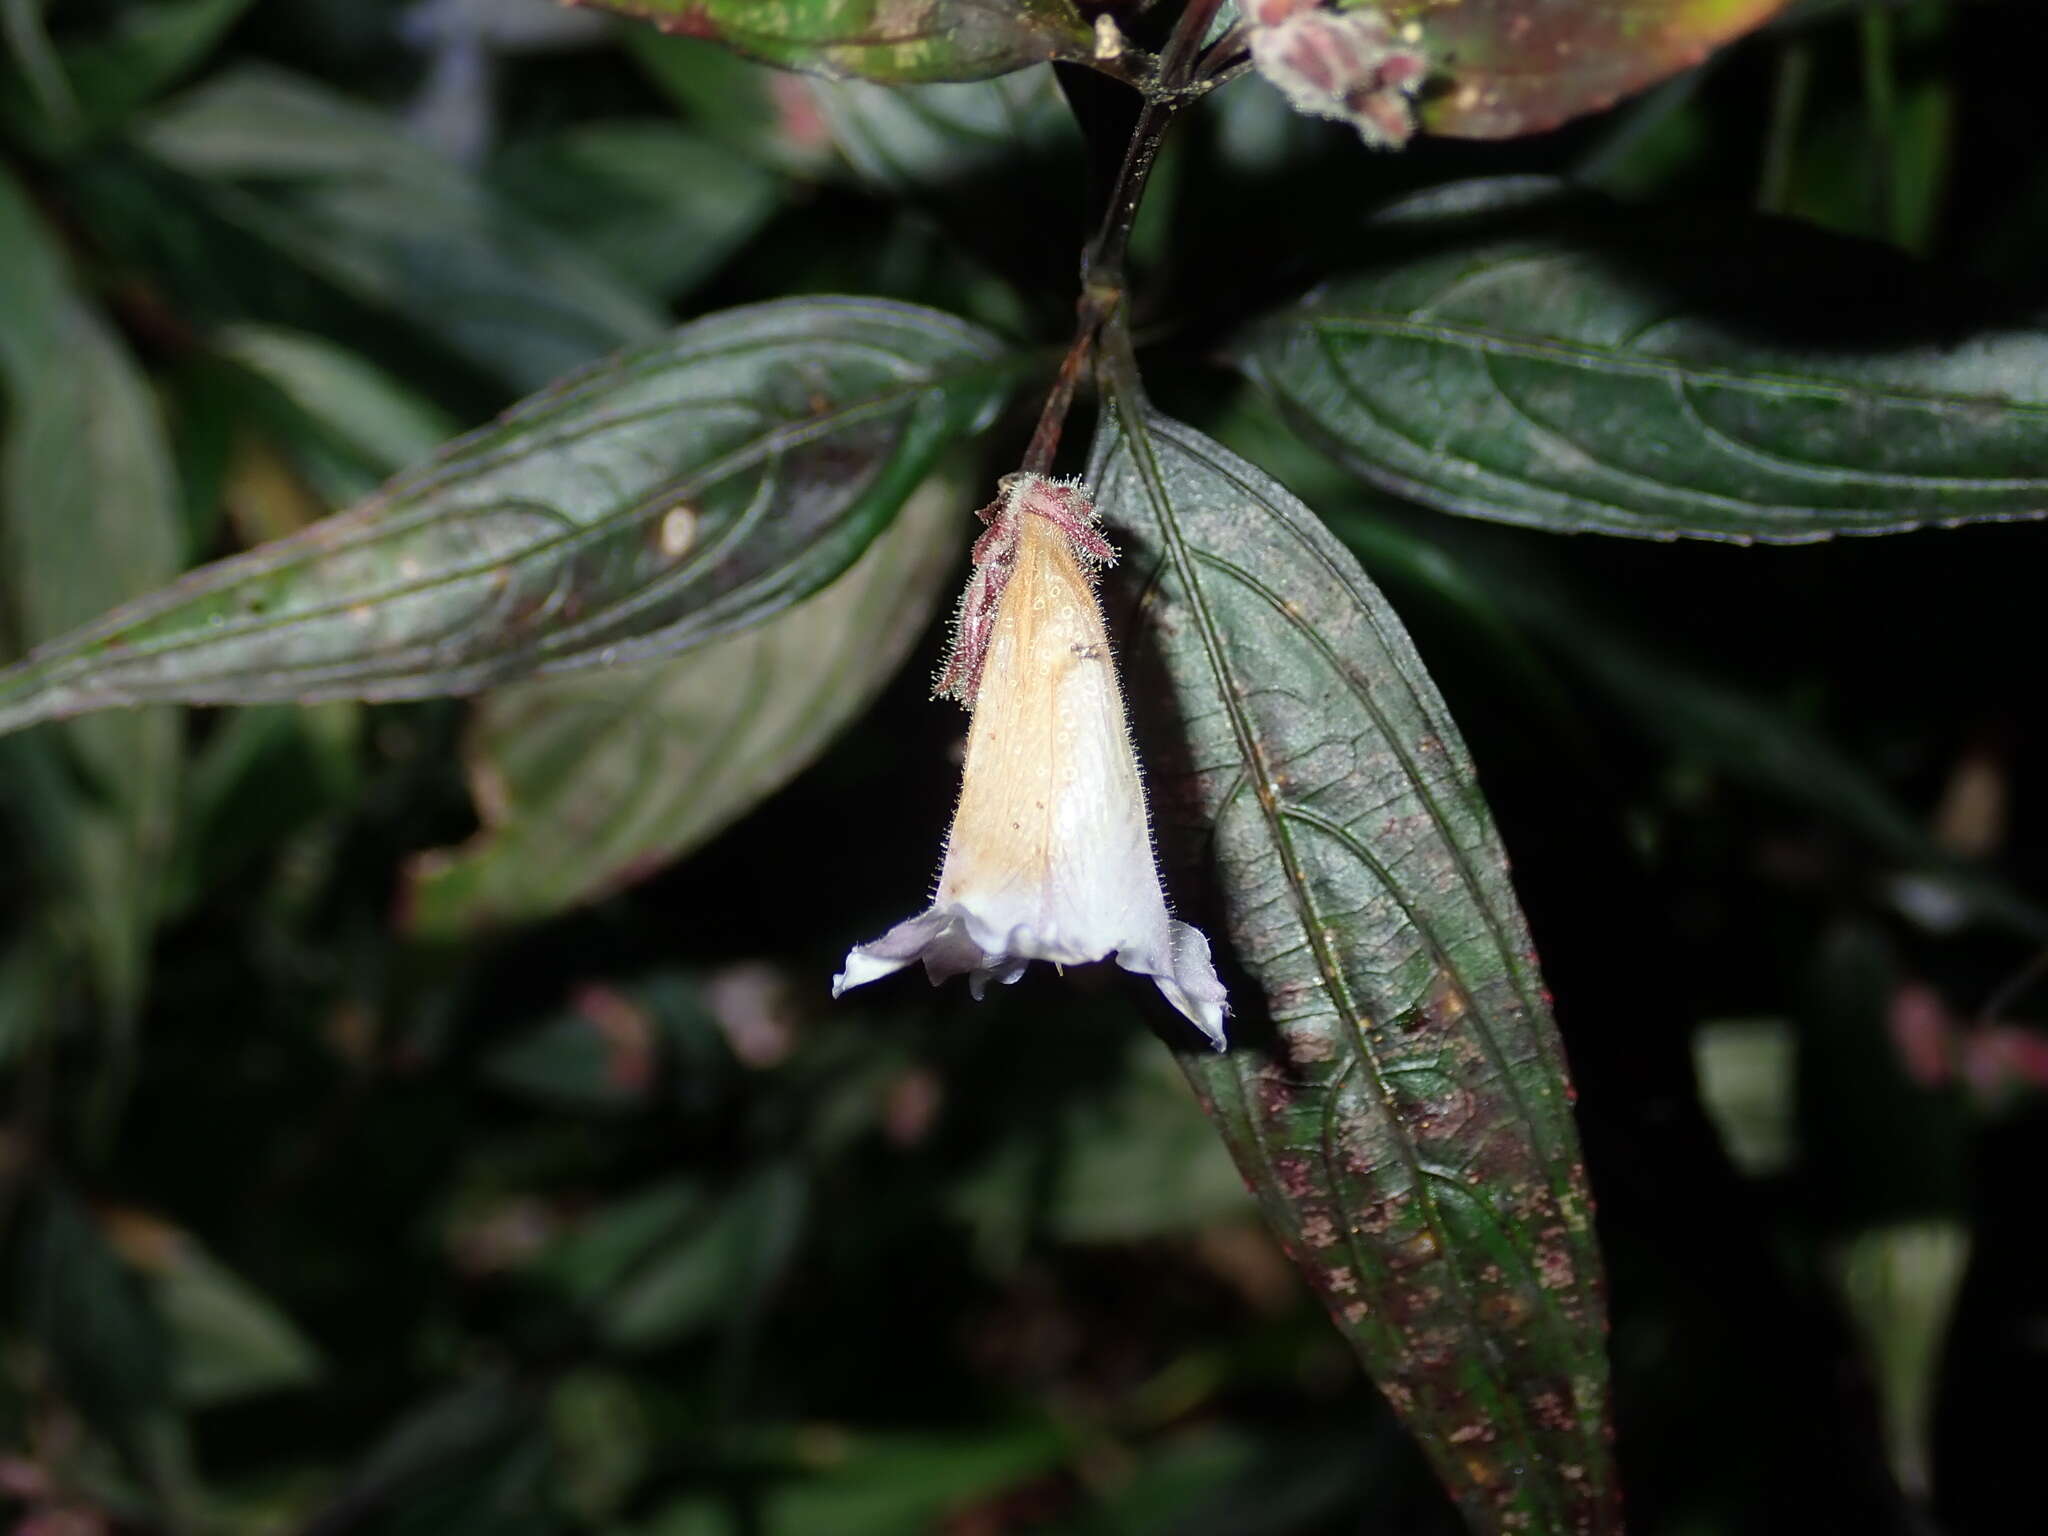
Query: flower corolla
[1050, 853]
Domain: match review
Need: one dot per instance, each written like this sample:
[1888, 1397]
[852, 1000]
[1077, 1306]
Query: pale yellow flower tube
[1050, 856]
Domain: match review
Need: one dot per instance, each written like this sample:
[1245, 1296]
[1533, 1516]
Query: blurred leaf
[602, 1438]
[590, 781]
[146, 47]
[261, 775]
[1744, 1068]
[662, 207]
[895, 41]
[672, 494]
[1901, 1284]
[1507, 67]
[1394, 1089]
[474, 1462]
[767, 116]
[31, 52]
[719, 1269]
[1698, 715]
[597, 1255]
[1883, 1140]
[914, 138]
[337, 188]
[1175, 1485]
[374, 415]
[1576, 365]
[602, 1053]
[226, 1340]
[91, 1314]
[1136, 1164]
[885, 1485]
[89, 517]
[28, 986]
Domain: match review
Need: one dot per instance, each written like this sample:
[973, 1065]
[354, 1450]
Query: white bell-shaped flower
[1050, 855]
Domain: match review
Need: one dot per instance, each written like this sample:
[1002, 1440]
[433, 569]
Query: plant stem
[1102, 259]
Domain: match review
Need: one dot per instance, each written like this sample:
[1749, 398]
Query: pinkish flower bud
[1343, 64]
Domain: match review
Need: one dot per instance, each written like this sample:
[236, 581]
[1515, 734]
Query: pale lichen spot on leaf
[676, 535]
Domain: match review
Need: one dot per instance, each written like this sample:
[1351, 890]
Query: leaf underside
[591, 780]
[1578, 366]
[669, 495]
[1509, 67]
[893, 41]
[1395, 1092]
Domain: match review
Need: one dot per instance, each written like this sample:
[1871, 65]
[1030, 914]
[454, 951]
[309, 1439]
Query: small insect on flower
[1050, 856]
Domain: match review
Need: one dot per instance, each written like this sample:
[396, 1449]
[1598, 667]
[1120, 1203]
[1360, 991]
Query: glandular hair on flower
[1050, 853]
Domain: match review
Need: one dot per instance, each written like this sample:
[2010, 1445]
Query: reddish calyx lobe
[1345, 65]
[1066, 506]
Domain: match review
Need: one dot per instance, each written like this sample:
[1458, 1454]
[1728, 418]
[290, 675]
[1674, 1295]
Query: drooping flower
[1050, 854]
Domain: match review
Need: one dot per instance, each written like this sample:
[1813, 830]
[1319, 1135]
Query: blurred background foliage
[326, 1210]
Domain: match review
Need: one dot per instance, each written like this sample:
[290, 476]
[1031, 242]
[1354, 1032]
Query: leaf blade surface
[591, 780]
[1395, 1092]
[671, 494]
[1577, 366]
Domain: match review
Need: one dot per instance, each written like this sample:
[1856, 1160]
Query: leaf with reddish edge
[1507, 67]
[1394, 1092]
[897, 42]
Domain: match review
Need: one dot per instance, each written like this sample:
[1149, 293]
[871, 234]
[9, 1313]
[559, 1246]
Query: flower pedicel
[1050, 855]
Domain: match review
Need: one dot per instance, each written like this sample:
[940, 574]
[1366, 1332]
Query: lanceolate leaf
[672, 494]
[88, 518]
[1394, 1092]
[1508, 67]
[587, 781]
[342, 191]
[894, 41]
[1579, 366]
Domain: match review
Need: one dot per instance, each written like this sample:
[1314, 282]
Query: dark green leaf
[471, 1463]
[89, 1312]
[715, 1269]
[146, 49]
[227, 1341]
[884, 1485]
[370, 414]
[32, 54]
[1586, 367]
[1574, 365]
[1508, 67]
[662, 207]
[339, 189]
[603, 1052]
[89, 517]
[1394, 1090]
[1132, 1165]
[894, 41]
[912, 139]
[1704, 719]
[665, 497]
[588, 781]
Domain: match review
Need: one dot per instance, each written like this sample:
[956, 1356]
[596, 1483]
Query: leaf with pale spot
[670, 495]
